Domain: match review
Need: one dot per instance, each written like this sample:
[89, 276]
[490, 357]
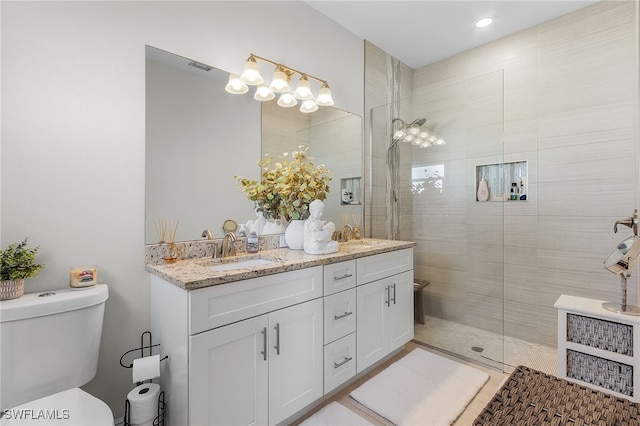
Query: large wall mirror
[198, 137]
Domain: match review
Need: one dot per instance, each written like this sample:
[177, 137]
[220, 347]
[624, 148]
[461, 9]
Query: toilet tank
[49, 342]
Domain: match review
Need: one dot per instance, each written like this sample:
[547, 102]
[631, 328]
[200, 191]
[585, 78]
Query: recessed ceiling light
[484, 22]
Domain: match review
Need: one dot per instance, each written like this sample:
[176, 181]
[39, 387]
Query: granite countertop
[192, 274]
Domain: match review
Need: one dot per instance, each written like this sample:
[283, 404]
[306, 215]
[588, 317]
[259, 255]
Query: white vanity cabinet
[385, 317]
[244, 353]
[257, 351]
[257, 371]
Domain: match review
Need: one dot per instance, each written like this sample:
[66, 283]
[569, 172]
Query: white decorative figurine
[317, 235]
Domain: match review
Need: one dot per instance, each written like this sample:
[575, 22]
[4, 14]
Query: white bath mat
[421, 388]
[335, 414]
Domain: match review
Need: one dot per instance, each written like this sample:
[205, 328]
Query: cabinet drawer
[219, 305]
[339, 315]
[339, 362]
[339, 276]
[378, 266]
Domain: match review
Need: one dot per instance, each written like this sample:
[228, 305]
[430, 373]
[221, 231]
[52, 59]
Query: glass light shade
[251, 73]
[425, 144]
[440, 142]
[424, 134]
[414, 130]
[324, 96]
[416, 141]
[433, 138]
[263, 93]
[408, 138]
[236, 86]
[308, 106]
[287, 100]
[303, 89]
[279, 83]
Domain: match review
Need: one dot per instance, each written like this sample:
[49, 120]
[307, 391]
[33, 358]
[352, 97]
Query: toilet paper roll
[143, 403]
[146, 368]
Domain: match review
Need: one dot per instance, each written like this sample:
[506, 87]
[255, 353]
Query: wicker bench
[530, 397]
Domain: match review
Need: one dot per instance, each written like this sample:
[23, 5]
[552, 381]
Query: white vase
[294, 235]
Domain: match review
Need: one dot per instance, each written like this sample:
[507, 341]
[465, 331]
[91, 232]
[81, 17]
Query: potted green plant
[17, 262]
[288, 186]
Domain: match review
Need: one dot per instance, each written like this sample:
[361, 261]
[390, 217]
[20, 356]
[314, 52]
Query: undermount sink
[241, 264]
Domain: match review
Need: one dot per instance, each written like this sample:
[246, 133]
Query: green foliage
[18, 262]
[287, 186]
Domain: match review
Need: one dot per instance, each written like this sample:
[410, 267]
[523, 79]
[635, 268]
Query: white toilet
[49, 346]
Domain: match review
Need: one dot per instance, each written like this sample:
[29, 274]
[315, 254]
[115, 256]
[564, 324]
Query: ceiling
[421, 32]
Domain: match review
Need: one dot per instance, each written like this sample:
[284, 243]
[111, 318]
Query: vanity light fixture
[280, 83]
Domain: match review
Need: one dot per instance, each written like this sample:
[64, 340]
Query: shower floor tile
[485, 347]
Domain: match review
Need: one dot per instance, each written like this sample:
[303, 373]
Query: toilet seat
[73, 407]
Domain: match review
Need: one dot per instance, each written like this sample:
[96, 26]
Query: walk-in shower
[429, 196]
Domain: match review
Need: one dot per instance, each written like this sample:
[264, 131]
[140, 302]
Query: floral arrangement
[288, 186]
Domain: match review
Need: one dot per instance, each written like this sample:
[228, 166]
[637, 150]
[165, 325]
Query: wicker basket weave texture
[530, 397]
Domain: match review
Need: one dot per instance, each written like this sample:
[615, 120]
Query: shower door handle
[394, 294]
[388, 301]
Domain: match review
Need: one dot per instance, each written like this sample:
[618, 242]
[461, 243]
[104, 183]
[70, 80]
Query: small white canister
[83, 276]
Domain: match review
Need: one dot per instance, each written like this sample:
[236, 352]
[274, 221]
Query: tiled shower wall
[570, 108]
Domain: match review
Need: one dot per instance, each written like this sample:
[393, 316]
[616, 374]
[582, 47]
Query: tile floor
[485, 347]
[456, 341]
[466, 418]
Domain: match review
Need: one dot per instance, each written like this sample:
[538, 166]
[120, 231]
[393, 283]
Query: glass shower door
[427, 192]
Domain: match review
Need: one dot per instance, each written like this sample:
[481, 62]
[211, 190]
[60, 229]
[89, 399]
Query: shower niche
[502, 182]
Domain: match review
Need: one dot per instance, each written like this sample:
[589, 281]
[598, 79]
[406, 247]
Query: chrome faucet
[228, 246]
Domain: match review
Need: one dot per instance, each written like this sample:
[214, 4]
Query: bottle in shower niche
[252, 242]
[514, 191]
[483, 190]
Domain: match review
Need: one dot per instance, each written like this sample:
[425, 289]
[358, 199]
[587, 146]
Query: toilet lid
[73, 407]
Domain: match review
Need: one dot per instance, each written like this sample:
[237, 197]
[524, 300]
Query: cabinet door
[295, 359]
[372, 303]
[400, 321]
[228, 375]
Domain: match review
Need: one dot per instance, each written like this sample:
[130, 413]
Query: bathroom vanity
[256, 339]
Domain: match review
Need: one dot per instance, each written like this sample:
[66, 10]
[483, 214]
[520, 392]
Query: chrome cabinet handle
[264, 343]
[340, 364]
[394, 294]
[277, 346]
[343, 277]
[388, 301]
[346, 314]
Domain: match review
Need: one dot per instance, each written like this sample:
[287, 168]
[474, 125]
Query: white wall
[73, 115]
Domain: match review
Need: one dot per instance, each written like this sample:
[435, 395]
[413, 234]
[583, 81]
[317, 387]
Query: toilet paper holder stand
[145, 350]
[142, 348]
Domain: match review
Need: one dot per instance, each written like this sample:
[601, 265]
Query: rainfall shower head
[415, 134]
[418, 122]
